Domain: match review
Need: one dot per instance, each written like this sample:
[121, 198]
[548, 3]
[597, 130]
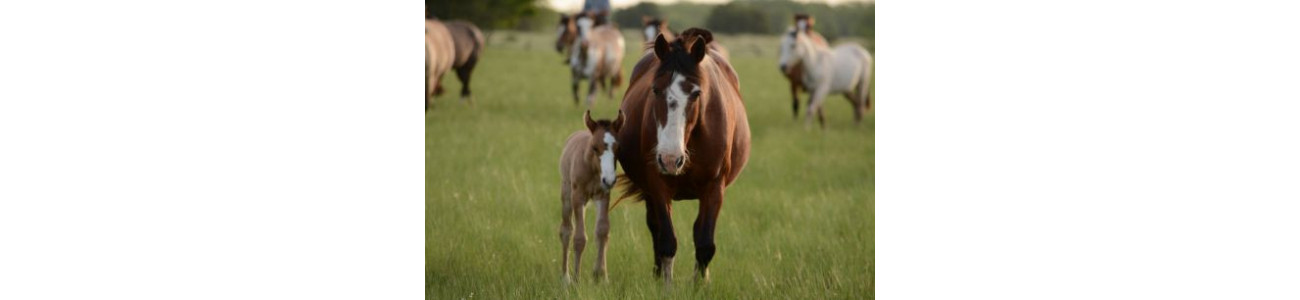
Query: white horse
[843, 69]
[597, 55]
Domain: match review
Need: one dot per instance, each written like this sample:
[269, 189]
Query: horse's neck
[814, 57]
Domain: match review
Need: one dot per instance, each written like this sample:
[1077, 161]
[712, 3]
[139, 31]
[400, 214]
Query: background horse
[439, 57]
[596, 54]
[794, 72]
[686, 137]
[587, 173]
[653, 27]
[844, 69]
[467, 40]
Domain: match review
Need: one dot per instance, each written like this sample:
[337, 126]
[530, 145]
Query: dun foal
[587, 171]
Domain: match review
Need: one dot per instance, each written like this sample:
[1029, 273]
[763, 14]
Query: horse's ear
[591, 125]
[661, 47]
[618, 123]
[698, 49]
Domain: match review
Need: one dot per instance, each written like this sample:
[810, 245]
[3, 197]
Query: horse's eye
[695, 95]
[656, 91]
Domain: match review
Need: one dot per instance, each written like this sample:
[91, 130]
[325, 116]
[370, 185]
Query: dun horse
[794, 72]
[843, 69]
[686, 137]
[587, 173]
[467, 40]
[439, 57]
[595, 53]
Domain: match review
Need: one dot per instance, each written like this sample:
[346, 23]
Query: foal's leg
[602, 235]
[566, 230]
[580, 238]
[710, 205]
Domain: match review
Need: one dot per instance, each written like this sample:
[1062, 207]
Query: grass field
[798, 223]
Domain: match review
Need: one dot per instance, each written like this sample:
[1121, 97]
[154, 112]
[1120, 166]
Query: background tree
[738, 17]
[487, 14]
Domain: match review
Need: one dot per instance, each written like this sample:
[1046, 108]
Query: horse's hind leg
[464, 73]
[815, 106]
[576, 79]
[566, 231]
[579, 238]
[855, 99]
[615, 81]
[591, 90]
[794, 94]
[602, 236]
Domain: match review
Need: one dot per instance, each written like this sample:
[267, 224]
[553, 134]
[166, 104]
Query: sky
[573, 5]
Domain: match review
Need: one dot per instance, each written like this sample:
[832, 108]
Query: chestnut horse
[587, 173]
[467, 40]
[686, 137]
[794, 72]
[439, 57]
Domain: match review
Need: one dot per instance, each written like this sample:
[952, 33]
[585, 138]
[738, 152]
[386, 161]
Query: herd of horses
[681, 133]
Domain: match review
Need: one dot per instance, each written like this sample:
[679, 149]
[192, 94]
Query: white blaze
[607, 159]
[672, 133]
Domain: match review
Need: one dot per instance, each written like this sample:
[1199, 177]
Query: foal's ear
[591, 125]
[661, 47]
[618, 123]
[698, 49]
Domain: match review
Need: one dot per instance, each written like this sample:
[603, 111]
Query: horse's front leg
[705, 222]
[815, 105]
[659, 219]
[576, 78]
[794, 94]
[566, 231]
[579, 238]
[602, 236]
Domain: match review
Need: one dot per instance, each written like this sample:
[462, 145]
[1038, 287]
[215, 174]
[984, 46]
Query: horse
[567, 32]
[655, 26]
[439, 57]
[468, 42]
[686, 137]
[587, 173]
[843, 69]
[794, 73]
[596, 53]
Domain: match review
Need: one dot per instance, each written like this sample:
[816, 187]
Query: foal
[587, 171]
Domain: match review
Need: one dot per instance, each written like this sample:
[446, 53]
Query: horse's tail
[628, 190]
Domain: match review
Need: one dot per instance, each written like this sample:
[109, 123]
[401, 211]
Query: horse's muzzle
[671, 164]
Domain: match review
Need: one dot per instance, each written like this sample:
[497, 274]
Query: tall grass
[798, 223]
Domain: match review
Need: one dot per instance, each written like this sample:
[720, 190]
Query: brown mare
[686, 137]
[587, 173]
[439, 57]
[794, 73]
[467, 40]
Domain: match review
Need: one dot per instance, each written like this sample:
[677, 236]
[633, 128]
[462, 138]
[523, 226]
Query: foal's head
[676, 92]
[602, 146]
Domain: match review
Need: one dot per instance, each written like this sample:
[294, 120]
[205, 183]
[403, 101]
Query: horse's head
[602, 146]
[678, 87]
[653, 26]
[804, 22]
[566, 33]
[794, 47]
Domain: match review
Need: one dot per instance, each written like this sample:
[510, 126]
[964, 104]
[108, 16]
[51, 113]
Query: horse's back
[442, 52]
[467, 40]
[573, 147]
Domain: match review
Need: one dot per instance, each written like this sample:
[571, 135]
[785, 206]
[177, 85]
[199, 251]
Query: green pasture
[798, 223]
